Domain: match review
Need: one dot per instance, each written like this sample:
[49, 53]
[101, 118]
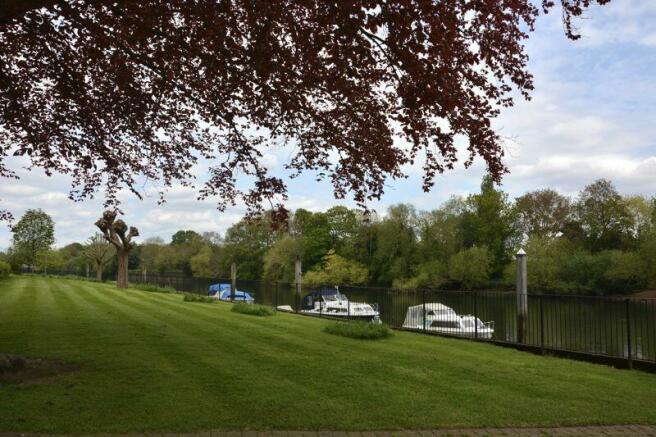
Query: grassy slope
[154, 363]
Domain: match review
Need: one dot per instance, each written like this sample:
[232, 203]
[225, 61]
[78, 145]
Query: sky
[592, 115]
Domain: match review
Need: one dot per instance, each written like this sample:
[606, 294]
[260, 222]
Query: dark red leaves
[117, 92]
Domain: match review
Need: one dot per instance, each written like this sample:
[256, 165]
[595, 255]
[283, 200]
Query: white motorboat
[439, 318]
[329, 302]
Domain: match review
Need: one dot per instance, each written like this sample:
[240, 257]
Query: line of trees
[599, 242]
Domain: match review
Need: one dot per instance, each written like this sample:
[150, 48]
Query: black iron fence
[604, 327]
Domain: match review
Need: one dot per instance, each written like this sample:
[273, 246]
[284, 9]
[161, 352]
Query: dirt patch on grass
[17, 370]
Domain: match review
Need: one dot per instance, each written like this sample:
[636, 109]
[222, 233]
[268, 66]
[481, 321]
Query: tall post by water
[298, 275]
[233, 281]
[522, 300]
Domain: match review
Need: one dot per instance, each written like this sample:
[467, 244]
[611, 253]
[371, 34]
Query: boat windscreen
[326, 293]
[468, 322]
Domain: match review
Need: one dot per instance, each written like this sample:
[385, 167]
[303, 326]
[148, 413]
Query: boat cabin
[323, 295]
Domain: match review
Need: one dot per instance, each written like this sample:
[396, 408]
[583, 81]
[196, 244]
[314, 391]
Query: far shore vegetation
[598, 242]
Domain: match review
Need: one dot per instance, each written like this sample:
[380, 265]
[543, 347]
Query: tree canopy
[34, 233]
[117, 92]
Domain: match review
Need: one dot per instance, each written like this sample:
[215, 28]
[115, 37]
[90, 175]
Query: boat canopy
[239, 296]
[216, 288]
[433, 309]
[325, 292]
[223, 292]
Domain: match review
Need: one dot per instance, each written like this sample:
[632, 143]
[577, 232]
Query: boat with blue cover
[223, 292]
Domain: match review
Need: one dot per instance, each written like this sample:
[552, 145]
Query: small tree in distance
[34, 233]
[100, 252]
[118, 234]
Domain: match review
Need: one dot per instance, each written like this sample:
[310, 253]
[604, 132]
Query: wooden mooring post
[522, 299]
[233, 281]
[298, 278]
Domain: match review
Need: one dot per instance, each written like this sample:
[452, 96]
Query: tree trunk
[122, 275]
[99, 272]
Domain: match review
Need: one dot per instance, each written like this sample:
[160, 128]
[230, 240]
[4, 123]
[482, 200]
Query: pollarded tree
[113, 92]
[99, 251]
[34, 233]
[118, 234]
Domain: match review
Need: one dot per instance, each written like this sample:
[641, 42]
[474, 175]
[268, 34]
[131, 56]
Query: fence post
[423, 309]
[522, 304]
[348, 309]
[475, 316]
[297, 280]
[541, 324]
[628, 334]
[233, 281]
[275, 299]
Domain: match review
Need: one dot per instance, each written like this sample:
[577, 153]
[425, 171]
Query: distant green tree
[207, 262]
[182, 237]
[279, 260]
[343, 224]
[148, 252]
[245, 244]
[490, 221]
[545, 256]
[336, 270]
[647, 253]
[621, 272]
[543, 213]
[440, 231]
[50, 260]
[640, 211]
[395, 255]
[431, 274]
[5, 269]
[34, 233]
[313, 231]
[604, 217]
[471, 268]
[73, 258]
[362, 245]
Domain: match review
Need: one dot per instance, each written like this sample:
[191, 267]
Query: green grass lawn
[151, 362]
